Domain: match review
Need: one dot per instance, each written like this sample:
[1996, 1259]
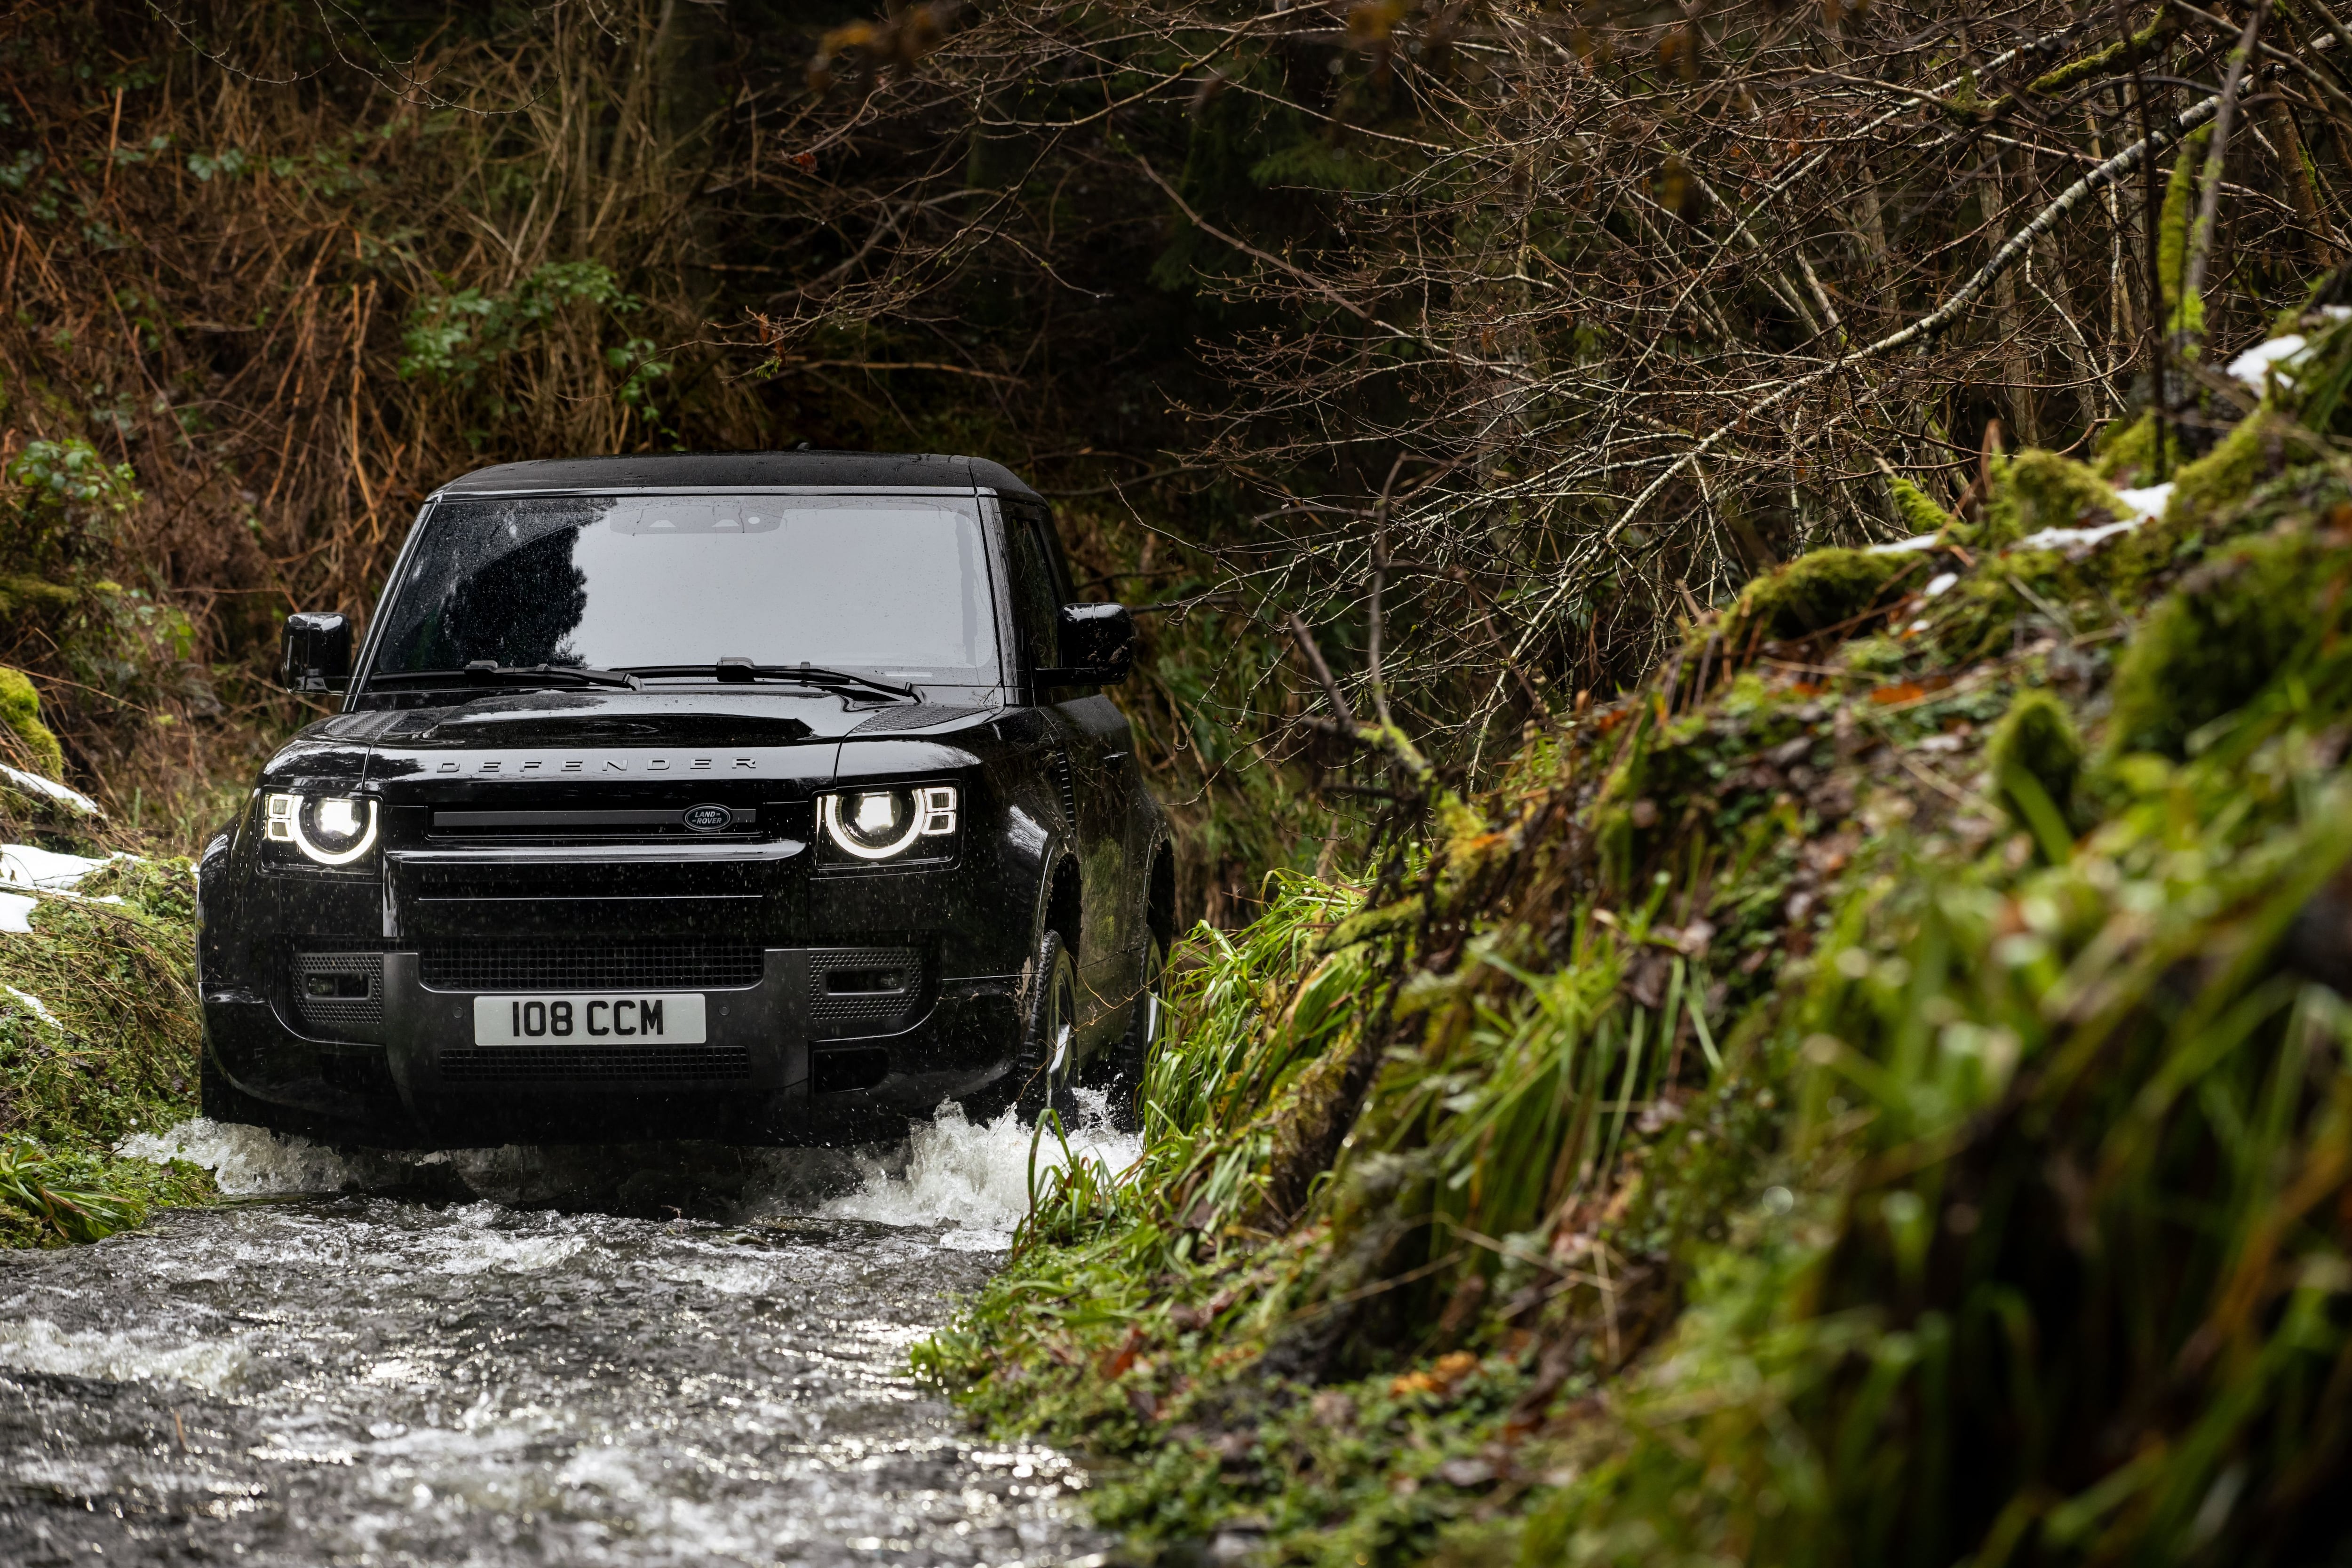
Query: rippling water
[624, 1356]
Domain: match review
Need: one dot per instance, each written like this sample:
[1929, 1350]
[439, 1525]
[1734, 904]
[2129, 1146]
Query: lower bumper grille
[340, 996]
[863, 990]
[589, 1063]
[671, 967]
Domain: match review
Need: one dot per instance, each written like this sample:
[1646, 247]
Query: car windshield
[891, 586]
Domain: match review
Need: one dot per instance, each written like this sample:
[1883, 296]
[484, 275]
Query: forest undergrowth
[99, 1036]
[1543, 327]
[1880, 1092]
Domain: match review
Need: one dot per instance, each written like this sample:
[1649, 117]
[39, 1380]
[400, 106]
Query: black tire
[222, 1101]
[1043, 1070]
[1121, 1072]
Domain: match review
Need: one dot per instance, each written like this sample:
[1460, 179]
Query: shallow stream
[616, 1356]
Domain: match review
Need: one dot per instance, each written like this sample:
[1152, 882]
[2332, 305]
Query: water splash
[248, 1162]
[970, 1180]
[973, 1178]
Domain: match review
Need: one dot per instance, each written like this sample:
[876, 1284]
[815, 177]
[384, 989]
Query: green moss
[2172, 235]
[2129, 453]
[2036, 756]
[2222, 493]
[2259, 445]
[114, 1055]
[164, 890]
[2037, 489]
[2217, 641]
[23, 596]
[1920, 514]
[1874, 656]
[1828, 590]
[2322, 378]
[20, 711]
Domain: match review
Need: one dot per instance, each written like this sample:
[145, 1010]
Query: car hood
[387, 744]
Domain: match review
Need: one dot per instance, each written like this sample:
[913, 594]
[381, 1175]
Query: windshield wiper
[483, 669]
[728, 671]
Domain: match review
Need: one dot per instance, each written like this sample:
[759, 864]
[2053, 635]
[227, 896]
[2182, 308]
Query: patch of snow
[41, 1008]
[37, 785]
[1902, 546]
[16, 912]
[1941, 581]
[2147, 504]
[2275, 356]
[2074, 538]
[28, 866]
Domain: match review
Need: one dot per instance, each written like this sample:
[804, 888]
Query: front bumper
[780, 1064]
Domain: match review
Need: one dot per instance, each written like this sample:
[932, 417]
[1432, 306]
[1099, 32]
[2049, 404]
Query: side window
[1036, 595]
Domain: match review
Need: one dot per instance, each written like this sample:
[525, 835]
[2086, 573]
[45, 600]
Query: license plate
[605, 1017]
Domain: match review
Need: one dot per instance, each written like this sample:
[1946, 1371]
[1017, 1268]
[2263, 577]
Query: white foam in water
[36, 1345]
[975, 1179]
[472, 1246]
[247, 1160]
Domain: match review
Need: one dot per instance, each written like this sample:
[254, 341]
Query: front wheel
[1041, 1072]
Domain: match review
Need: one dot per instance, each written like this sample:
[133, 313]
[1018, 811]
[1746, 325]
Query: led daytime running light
[283, 824]
[934, 814]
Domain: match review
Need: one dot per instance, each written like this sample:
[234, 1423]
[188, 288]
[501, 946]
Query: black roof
[723, 470]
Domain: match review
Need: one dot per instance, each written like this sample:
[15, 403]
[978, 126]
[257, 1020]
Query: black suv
[763, 797]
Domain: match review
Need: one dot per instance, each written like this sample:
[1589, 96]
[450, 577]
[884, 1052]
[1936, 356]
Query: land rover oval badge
[709, 818]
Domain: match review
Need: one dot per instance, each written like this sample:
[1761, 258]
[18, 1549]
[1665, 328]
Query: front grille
[577, 824]
[863, 990]
[673, 967]
[340, 996]
[575, 1063]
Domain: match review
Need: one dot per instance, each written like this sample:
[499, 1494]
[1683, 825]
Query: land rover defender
[764, 797]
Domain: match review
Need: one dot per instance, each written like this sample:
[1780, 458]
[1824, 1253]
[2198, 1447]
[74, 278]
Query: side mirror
[1097, 646]
[317, 653]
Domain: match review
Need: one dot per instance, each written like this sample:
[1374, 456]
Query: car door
[1096, 764]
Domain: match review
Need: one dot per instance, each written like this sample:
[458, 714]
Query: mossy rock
[2037, 489]
[20, 711]
[2262, 443]
[1827, 590]
[165, 889]
[2233, 624]
[2212, 498]
[22, 596]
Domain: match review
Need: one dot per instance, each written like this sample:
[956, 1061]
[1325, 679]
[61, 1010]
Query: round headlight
[882, 823]
[333, 830]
